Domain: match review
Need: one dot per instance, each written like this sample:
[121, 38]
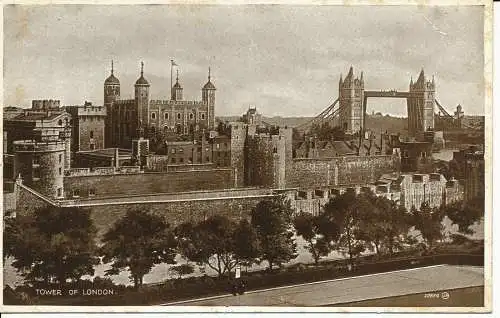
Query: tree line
[60, 244]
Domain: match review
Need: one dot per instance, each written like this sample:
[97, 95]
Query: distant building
[409, 190]
[252, 117]
[459, 115]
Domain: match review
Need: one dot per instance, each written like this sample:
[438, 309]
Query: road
[403, 282]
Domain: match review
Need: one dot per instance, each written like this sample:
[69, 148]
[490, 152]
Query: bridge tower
[351, 92]
[421, 106]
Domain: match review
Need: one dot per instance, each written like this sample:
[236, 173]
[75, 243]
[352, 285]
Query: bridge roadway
[346, 290]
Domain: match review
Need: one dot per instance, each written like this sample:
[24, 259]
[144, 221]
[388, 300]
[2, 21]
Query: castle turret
[142, 100]
[111, 94]
[177, 89]
[208, 98]
[41, 165]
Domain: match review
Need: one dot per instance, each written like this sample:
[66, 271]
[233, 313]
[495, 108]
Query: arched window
[191, 116]
[202, 116]
[165, 116]
[153, 115]
[91, 134]
[178, 115]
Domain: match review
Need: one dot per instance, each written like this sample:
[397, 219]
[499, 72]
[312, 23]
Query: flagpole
[171, 67]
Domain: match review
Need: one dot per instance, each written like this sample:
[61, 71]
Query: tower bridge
[350, 114]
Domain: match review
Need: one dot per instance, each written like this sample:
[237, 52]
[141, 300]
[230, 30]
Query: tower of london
[129, 119]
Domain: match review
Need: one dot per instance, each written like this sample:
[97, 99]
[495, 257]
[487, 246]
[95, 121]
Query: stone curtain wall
[362, 170]
[233, 204]
[147, 183]
[310, 173]
[178, 212]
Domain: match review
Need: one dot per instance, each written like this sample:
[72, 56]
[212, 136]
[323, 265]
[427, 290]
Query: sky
[285, 60]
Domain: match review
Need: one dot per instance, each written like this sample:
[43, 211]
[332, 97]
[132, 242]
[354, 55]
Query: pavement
[345, 290]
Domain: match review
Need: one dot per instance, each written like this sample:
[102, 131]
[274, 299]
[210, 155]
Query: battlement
[38, 146]
[45, 104]
[102, 171]
[159, 102]
[125, 102]
[87, 110]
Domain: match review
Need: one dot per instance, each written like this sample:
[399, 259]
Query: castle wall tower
[421, 106]
[142, 101]
[266, 157]
[111, 94]
[41, 165]
[177, 89]
[351, 94]
[208, 98]
[238, 153]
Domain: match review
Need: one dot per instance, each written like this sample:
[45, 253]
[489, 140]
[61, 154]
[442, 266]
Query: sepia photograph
[240, 157]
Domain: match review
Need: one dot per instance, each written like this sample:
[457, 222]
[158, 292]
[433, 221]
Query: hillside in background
[373, 122]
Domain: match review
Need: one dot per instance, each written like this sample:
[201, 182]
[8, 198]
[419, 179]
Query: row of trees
[57, 244]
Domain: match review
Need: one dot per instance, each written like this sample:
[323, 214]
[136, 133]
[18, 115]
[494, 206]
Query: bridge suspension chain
[443, 110]
[326, 113]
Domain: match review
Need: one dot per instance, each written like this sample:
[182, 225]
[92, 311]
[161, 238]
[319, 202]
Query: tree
[246, 243]
[273, 222]
[137, 242]
[209, 242]
[219, 243]
[344, 212]
[429, 222]
[317, 232]
[465, 214]
[385, 226]
[52, 244]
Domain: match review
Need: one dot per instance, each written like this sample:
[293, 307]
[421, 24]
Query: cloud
[284, 59]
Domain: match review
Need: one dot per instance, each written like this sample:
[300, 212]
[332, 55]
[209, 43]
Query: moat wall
[234, 204]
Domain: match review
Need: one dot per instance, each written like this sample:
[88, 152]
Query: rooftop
[34, 116]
